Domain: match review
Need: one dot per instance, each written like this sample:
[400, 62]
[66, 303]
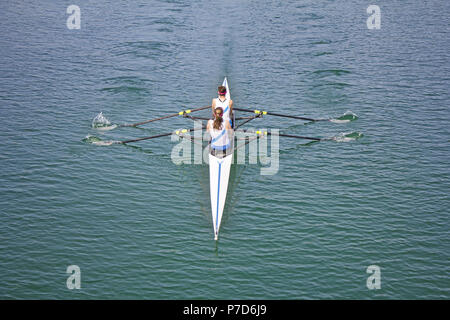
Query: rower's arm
[231, 107]
[213, 107]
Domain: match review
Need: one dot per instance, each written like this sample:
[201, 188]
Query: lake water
[139, 226]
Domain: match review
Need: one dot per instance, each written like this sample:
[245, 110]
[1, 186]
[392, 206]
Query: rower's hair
[222, 89]
[218, 120]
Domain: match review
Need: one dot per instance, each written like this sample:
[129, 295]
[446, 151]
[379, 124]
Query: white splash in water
[107, 128]
[100, 122]
[97, 141]
[345, 118]
[339, 121]
[103, 143]
[91, 139]
[347, 136]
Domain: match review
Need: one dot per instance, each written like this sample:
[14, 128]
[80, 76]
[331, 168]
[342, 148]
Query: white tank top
[226, 108]
[219, 138]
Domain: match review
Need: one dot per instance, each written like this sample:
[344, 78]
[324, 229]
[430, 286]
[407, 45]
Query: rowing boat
[219, 167]
[219, 174]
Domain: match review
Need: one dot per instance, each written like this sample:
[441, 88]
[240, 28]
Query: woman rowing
[224, 103]
[221, 133]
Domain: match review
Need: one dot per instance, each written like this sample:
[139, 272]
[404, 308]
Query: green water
[140, 227]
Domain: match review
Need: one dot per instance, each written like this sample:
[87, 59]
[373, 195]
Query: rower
[224, 103]
[219, 131]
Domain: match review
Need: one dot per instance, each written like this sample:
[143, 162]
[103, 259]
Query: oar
[279, 115]
[181, 113]
[288, 135]
[145, 138]
[246, 121]
[298, 137]
[158, 135]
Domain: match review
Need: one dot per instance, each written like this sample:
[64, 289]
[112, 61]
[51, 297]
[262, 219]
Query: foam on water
[347, 136]
[97, 141]
[103, 143]
[347, 117]
[91, 139]
[100, 122]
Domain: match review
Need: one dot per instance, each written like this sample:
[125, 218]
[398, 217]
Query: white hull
[219, 174]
